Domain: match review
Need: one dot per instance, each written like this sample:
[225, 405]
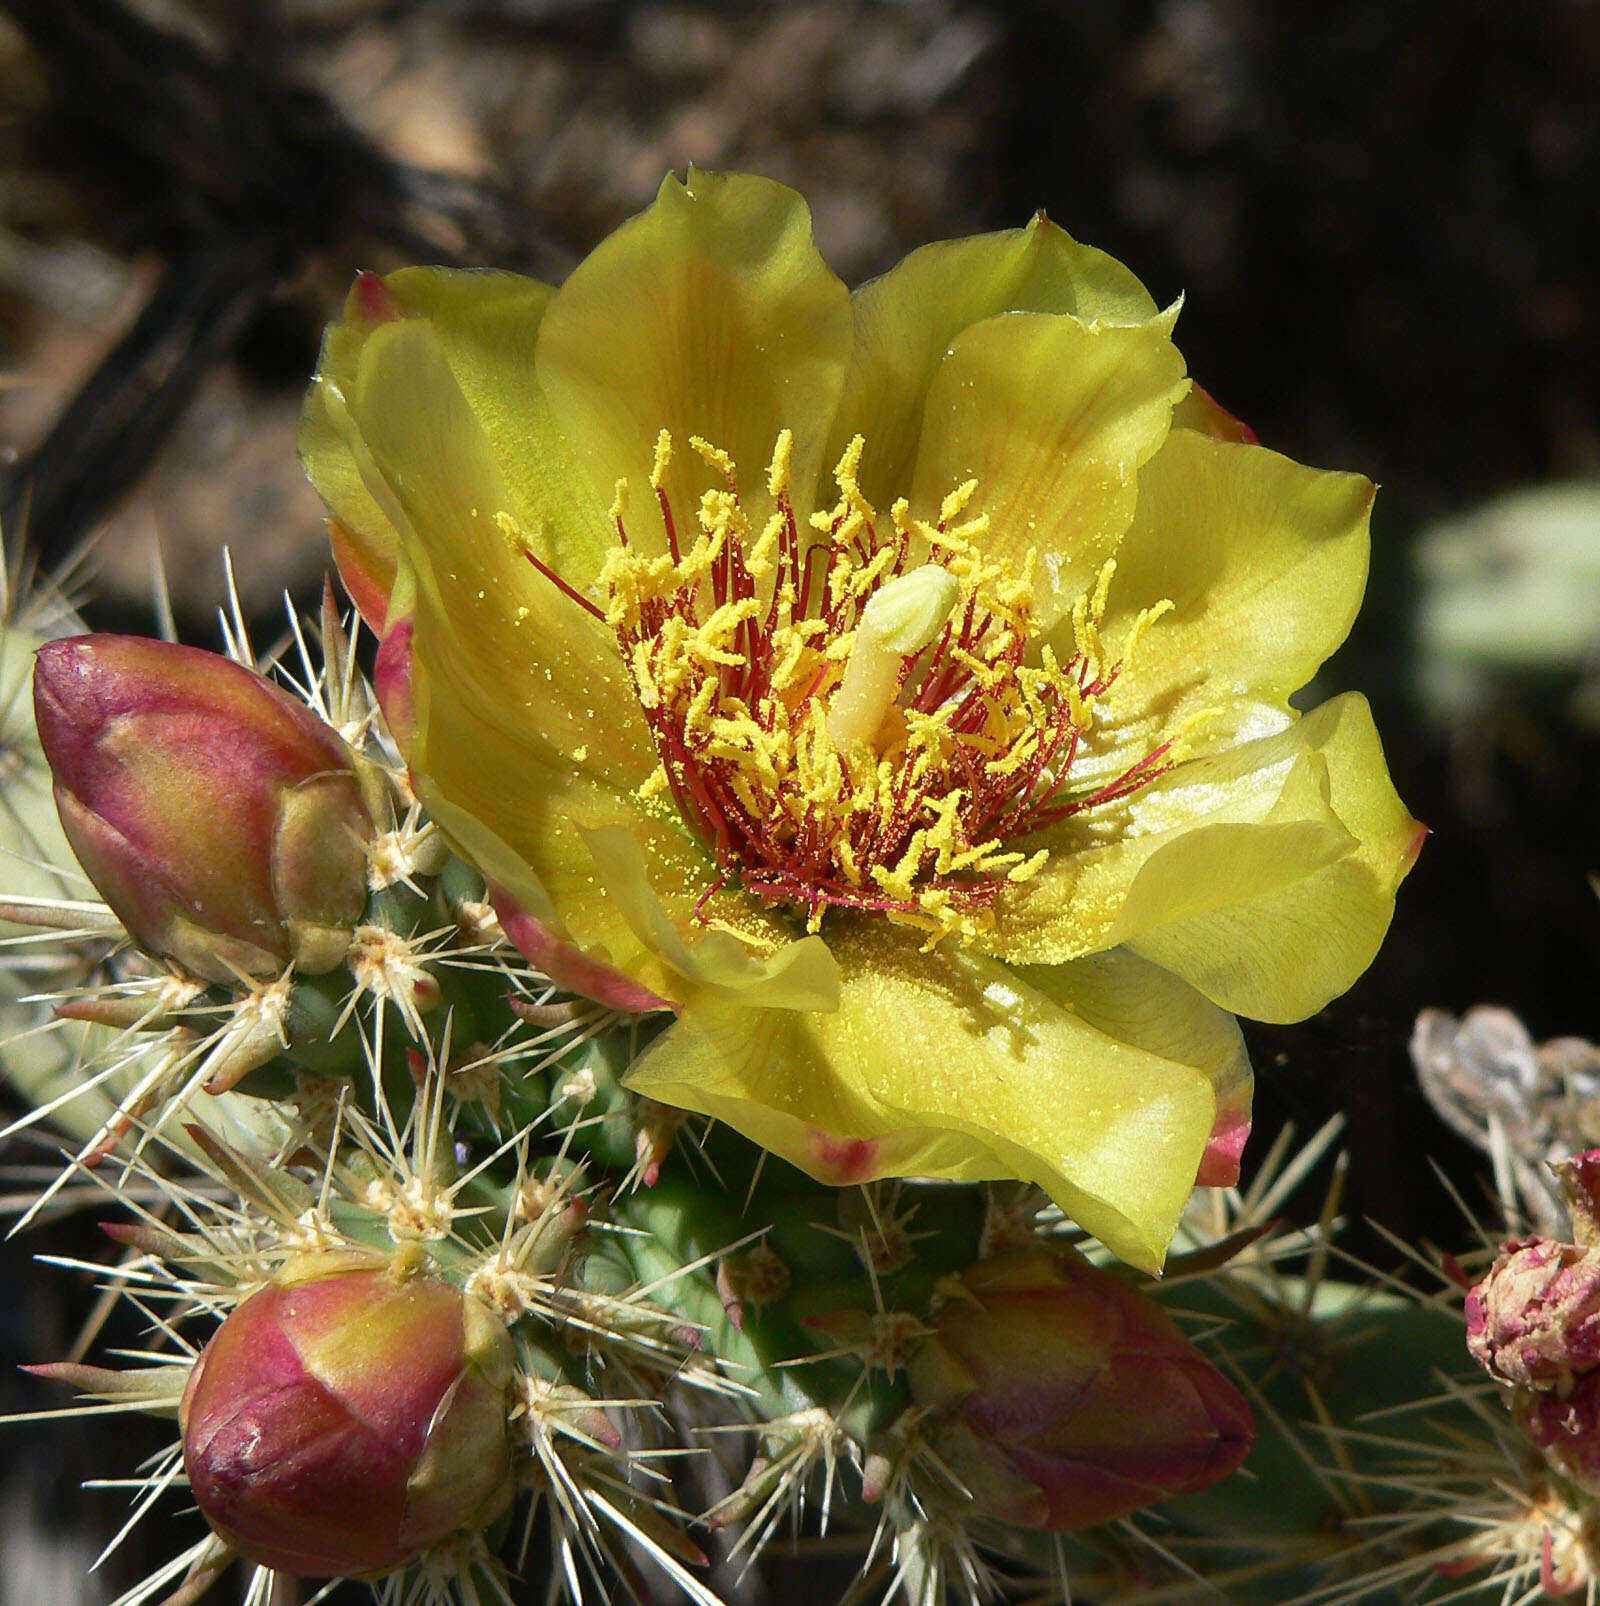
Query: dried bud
[1534, 1320]
[1566, 1427]
[342, 1423]
[219, 817]
[1063, 1397]
[1533, 1324]
[1578, 1177]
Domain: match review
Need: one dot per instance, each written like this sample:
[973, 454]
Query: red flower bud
[1063, 1397]
[219, 817]
[342, 1424]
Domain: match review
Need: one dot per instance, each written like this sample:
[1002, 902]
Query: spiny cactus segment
[436, 1302]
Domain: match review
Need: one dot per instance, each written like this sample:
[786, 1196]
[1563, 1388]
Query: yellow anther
[853, 512]
[964, 536]
[644, 679]
[663, 460]
[778, 469]
[1030, 867]
[1147, 617]
[864, 580]
[619, 501]
[697, 717]
[512, 531]
[1087, 612]
[1102, 590]
[759, 560]
[713, 457]
[722, 516]
[789, 648]
[848, 468]
[1182, 743]
[955, 503]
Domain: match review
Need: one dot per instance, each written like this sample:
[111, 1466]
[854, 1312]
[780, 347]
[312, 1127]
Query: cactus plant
[435, 1114]
[558, 1157]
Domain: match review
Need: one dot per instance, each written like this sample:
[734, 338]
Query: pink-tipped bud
[1062, 1397]
[341, 1424]
[219, 817]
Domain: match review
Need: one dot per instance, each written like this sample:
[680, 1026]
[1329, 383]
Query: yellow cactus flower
[893, 685]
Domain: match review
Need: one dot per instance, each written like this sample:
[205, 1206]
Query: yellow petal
[627, 885]
[1264, 874]
[1054, 418]
[1264, 562]
[1284, 952]
[589, 886]
[526, 731]
[906, 320]
[1136, 1002]
[329, 463]
[709, 314]
[1201, 411]
[525, 723]
[950, 1065]
[487, 326]
[1160, 851]
[517, 805]
[760, 969]
[509, 636]
[599, 930]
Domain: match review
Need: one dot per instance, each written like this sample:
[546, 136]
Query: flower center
[848, 715]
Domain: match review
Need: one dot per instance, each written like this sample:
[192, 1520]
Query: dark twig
[113, 427]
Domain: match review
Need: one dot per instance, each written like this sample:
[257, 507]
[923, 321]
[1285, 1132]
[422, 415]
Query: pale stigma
[901, 618]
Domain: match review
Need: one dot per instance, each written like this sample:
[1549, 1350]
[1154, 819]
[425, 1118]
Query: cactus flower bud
[219, 817]
[341, 1423]
[1062, 1397]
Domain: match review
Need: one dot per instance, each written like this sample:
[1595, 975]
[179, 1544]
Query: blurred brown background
[1384, 215]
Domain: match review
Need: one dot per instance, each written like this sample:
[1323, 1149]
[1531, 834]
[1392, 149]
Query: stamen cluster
[737, 642]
